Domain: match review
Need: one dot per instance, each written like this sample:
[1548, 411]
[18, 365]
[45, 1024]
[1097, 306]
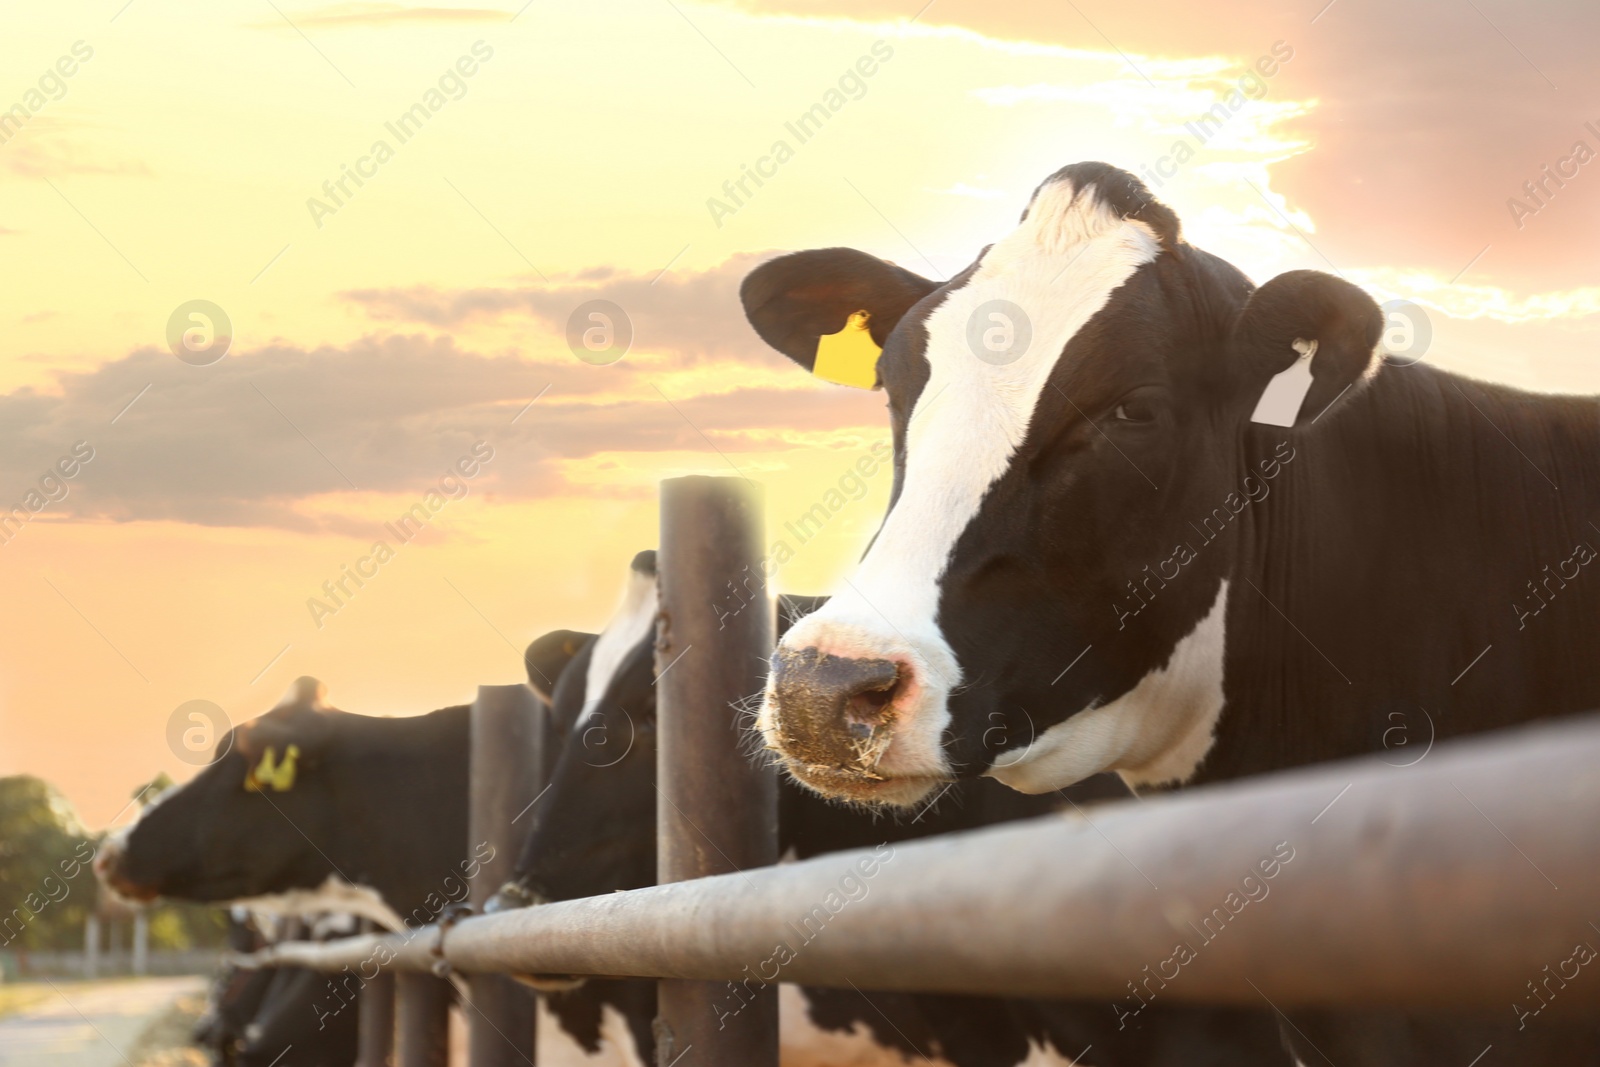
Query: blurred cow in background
[269, 1017]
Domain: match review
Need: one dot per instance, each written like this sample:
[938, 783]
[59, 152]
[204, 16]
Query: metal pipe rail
[1450, 883]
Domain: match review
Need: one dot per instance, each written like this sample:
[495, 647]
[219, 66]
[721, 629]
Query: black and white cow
[235, 995]
[293, 1028]
[271, 1010]
[318, 809]
[1092, 528]
[270, 1017]
[1151, 519]
[595, 833]
[372, 820]
[309, 810]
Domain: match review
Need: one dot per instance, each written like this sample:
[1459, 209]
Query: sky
[395, 211]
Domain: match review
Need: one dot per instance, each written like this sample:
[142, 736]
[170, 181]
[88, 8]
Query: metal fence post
[508, 749]
[376, 1022]
[91, 946]
[422, 1010]
[141, 942]
[719, 808]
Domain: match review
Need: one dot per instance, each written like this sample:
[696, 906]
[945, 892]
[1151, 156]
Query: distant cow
[235, 995]
[292, 1030]
[270, 1017]
[595, 832]
[321, 808]
[367, 816]
[1150, 518]
[306, 810]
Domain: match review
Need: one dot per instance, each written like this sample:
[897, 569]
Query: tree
[46, 888]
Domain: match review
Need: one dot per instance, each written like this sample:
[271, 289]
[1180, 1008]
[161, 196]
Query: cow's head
[1068, 413]
[594, 828]
[299, 1010]
[241, 826]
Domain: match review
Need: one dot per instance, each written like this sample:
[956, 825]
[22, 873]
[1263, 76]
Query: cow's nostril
[877, 698]
[835, 710]
[865, 709]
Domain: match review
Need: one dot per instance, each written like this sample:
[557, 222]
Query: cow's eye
[1135, 409]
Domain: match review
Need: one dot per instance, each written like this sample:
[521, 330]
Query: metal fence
[1380, 891]
[74, 963]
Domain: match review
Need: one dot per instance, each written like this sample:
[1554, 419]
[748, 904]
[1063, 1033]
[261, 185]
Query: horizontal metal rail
[1450, 883]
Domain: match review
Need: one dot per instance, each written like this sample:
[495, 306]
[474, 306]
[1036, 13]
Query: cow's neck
[1414, 574]
[404, 833]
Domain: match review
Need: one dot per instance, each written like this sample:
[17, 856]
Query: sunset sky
[382, 330]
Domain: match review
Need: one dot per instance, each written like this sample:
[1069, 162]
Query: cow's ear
[547, 656]
[1300, 343]
[300, 718]
[850, 298]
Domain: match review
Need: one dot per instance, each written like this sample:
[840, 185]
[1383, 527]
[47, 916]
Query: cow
[235, 995]
[594, 832]
[268, 1017]
[311, 810]
[1150, 518]
[292, 1030]
[260, 1015]
[367, 816]
[315, 809]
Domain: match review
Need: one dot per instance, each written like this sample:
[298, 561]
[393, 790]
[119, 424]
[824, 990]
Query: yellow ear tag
[271, 774]
[849, 357]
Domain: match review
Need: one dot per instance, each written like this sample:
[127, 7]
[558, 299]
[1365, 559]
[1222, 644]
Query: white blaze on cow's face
[1060, 266]
[633, 621]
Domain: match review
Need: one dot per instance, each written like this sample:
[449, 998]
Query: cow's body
[1433, 521]
[595, 833]
[1192, 530]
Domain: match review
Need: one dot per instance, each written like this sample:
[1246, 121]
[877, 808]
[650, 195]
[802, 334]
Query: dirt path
[89, 1024]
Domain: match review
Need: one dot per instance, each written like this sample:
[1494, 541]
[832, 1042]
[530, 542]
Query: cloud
[1430, 114]
[692, 315]
[1463, 301]
[56, 159]
[254, 439]
[53, 146]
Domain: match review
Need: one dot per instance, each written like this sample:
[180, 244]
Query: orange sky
[167, 153]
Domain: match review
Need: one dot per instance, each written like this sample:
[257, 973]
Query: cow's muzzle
[834, 712]
[108, 865]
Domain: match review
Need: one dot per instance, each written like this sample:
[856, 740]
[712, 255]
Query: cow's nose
[105, 862]
[108, 867]
[832, 710]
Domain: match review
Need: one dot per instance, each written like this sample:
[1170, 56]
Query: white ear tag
[1281, 399]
